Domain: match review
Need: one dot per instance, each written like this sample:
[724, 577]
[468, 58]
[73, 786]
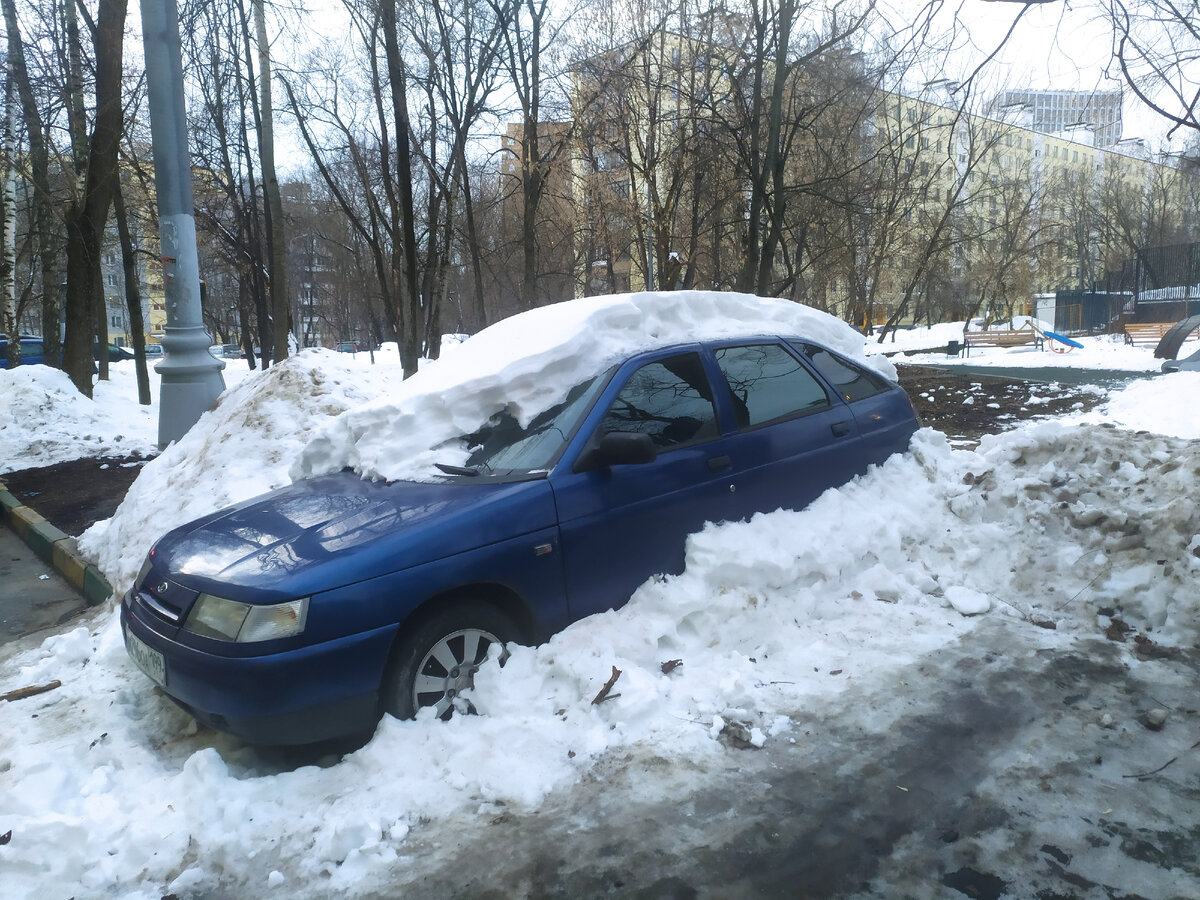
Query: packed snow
[110, 790]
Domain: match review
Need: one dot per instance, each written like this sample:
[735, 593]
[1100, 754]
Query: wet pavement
[33, 596]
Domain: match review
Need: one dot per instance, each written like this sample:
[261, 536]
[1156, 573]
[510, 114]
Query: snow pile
[1166, 405]
[529, 362]
[44, 420]
[239, 449]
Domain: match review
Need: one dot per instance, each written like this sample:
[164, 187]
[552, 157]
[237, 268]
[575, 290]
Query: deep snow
[110, 790]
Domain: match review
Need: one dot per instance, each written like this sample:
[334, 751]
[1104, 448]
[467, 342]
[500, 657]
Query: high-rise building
[1065, 112]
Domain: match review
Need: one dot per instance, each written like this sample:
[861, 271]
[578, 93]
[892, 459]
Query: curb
[55, 548]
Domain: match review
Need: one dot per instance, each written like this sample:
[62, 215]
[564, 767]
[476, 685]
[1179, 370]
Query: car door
[793, 438]
[622, 524]
[882, 411]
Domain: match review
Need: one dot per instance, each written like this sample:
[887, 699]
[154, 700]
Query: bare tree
[1156, 48]
[46, 223]
[88, 213]
[274, 225]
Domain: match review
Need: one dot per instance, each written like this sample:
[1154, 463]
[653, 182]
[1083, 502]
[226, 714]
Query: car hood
[338, 529]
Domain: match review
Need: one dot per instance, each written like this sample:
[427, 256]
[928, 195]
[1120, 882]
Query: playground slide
[1168, 347]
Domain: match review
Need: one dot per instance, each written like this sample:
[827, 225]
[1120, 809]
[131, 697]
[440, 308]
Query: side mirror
[617, 448]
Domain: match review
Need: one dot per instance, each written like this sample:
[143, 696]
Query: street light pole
[191, 377]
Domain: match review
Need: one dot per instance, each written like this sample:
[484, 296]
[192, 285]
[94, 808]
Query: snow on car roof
[529, 362]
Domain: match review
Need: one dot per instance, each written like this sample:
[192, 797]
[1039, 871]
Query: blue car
[308, 612]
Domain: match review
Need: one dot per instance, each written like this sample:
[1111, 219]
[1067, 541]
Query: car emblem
[162, 588]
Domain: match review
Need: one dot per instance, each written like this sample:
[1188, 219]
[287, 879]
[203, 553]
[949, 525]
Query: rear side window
[669, 400]
[852, 381]
[766, 383]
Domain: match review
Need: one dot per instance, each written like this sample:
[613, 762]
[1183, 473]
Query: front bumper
[296, 696]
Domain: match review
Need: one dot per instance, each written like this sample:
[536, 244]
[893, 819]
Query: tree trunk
[276, 241]
[89, 213]
[133, 298]
[8, 224]
[410, 293]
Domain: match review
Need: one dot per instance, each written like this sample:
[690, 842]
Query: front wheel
[437, 662]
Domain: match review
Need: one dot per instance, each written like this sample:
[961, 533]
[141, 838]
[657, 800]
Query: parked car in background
[31, 350]
[115, 353]
[154, 351]
[306, 613]
[347, 347]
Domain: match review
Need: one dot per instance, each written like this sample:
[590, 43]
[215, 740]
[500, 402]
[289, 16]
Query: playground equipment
[1168, 348]
[1059, 343]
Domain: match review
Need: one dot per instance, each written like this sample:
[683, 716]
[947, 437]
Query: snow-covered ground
[109, 790]
[1101, 352]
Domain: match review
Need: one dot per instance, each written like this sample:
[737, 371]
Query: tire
[435, 663]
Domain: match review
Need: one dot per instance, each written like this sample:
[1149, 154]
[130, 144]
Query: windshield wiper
[456, 470]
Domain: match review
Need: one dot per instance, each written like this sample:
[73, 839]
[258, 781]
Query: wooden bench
[1150, 333]
[1001, 338]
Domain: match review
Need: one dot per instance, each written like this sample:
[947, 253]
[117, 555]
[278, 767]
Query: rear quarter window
[767, 384]
[851, 380]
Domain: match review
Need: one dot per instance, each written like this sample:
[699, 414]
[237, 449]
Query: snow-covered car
[307, 612]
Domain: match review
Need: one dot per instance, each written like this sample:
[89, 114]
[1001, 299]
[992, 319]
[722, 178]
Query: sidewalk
[43, 579]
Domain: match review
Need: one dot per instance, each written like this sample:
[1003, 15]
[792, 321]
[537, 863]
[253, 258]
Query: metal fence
[1160, 284]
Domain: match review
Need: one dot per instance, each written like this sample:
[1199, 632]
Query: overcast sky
[1062, 45]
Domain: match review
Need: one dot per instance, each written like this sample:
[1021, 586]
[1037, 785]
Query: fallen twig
[32, 691]
[608, 685]
[1160, 768]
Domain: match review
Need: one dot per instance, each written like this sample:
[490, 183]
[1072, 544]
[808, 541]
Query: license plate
[147, 658]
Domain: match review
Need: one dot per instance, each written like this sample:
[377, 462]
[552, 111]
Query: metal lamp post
[191, 377]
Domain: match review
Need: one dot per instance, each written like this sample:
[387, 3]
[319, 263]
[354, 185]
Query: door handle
[716, 463]
[840, 429]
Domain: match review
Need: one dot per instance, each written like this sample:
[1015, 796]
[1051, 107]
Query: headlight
[228, 620]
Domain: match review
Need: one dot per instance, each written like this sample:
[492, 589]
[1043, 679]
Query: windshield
[503, 446]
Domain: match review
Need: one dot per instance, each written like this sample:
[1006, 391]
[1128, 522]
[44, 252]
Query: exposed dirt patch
[968, 406]
[73, 495]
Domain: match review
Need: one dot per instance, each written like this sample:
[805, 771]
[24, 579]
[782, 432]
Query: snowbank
[44, 420]
[239, 449]
[1169, 404]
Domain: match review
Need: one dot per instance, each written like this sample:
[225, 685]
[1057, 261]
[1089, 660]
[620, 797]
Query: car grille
[166, 598]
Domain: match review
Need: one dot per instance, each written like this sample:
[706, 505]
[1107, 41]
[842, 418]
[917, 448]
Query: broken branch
[608, 686]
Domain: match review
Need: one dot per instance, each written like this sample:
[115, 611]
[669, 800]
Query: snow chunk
[967, 601]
